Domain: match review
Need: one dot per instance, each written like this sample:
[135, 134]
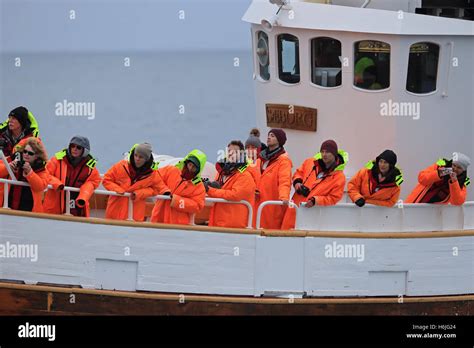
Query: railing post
[68, 202]
[5, 196]
[130, 208]
[250, 219]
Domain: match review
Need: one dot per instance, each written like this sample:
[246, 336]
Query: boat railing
[68, 190]
[267, 203]
[403, 217]
[215, 200]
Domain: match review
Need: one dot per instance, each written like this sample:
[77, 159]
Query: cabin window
[372, 65]
[288, 58]
[326, 62]
[423, 68]
[263, 55]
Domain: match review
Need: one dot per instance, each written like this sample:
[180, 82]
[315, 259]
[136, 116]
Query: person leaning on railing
[137, 176]
[443, 182]
[378, 183]
[72, 167]
[320, 180]
[234, 182]
[28, 165]
[186, 188]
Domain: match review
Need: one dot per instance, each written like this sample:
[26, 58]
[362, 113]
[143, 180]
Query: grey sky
[122, 25]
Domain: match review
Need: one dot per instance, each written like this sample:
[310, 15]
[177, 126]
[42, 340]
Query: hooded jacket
[8, 142]
[326, 186]
[429, 180]
[274, 184]
[124, 177]
[188, 196]
[237, 186]
[365, 185]
[84, 175]
[27, 198]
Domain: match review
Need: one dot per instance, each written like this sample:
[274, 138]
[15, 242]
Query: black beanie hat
[21, 114]
[389, 156]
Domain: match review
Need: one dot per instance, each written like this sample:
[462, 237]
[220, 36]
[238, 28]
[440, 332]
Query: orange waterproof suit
[188, 196]
[274, 185]
[364, 185]
[327, 187]
[84, 176]
[38, 181]
[239, 185]
[431, 185]
[124, 177]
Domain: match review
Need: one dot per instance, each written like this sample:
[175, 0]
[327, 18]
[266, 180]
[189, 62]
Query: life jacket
[393, 178]
[21, 197]
[76, 176]
[433, 189]
[8, 142]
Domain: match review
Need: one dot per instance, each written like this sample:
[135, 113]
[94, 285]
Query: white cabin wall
[446, 123]
[352, 116]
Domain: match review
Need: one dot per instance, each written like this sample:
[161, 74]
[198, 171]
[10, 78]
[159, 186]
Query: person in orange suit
[275, 180]
[187, 190]
[320, 180]
[234, 182]
[28, 165]
[73, 167]
[378, 183]
[443, 182]
[138, 176]
[252, 151]
[19, 126]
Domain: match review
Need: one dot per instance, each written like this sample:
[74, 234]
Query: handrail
[214, 200]
[69, 189]
[246, 203]
[266, 203]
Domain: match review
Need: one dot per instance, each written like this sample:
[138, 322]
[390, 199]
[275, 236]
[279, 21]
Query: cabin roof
[354, 19]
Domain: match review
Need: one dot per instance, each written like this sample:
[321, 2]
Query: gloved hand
[360, 202]
[215, 184]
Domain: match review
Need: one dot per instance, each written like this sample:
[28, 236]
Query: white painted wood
[113, 274]
[468, 215]
[431, 266]
[279, 265]
[388, 283]
[182, 261]
[370, 218]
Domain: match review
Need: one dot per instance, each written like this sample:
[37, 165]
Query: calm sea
[177, 101]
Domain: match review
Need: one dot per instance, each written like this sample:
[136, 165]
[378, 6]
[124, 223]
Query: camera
[21, 161]
[445, 171]
[304, 191]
